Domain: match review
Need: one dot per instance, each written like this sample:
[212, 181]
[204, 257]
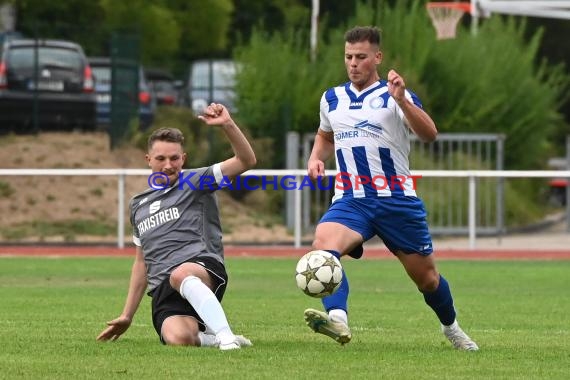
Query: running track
[285, 252]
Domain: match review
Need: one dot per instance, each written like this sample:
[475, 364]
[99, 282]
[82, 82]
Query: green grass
[518, 312]
[5, 189]
[69, 229]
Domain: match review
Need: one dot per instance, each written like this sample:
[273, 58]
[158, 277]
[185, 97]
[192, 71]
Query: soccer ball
[318, 274]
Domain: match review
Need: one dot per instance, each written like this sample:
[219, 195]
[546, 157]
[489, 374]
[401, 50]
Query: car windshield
[162, 85]
[223, 74]
[23, 57]
[103, 73]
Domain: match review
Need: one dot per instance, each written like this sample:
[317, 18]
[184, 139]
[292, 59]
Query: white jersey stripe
[371, 139]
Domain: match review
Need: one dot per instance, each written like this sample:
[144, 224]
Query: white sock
[338, 315]
[452, 326]
[207, 340]
[204, 301]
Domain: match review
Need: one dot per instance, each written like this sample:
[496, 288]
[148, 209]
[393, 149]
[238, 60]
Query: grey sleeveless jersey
[178, 223]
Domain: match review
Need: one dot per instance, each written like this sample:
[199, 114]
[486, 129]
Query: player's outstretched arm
[323, 148]
[115, 329]
[137, 287]
[416, 118]
[244, 156]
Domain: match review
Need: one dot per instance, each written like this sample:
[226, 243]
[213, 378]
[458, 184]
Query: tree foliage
[158, 32]
[493, 82]
[170, 31]
[488, 83]
[75, 20]
[204, 26]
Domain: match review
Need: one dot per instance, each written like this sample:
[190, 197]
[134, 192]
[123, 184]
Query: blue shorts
[399, 221]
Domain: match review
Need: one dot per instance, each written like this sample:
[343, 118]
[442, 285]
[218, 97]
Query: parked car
[45, 80]
[9, 36]
[211, 81]
[146, 100]
[164, 86]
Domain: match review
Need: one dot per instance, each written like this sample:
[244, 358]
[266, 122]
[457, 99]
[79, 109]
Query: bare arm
[323, 149]
[244, 157]
[137, 287]
[416, 118]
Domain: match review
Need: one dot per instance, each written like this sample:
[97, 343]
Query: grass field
[517, 311]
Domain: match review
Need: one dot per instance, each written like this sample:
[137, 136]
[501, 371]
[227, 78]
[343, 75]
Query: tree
[271, 16]
[171, 31]
[159, 33]
[204, 26]
[75, 20]
[556, 50]
[492, 83]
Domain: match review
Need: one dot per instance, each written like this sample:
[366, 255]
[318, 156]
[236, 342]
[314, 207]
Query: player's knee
[318, 243]
[175, 338]
[177, 276]
[428, 283]
[175, 280]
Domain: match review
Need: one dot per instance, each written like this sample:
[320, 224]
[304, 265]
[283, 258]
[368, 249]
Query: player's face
[361, 59]
[166, 157]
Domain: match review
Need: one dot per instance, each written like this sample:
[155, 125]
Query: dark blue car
[101, 67]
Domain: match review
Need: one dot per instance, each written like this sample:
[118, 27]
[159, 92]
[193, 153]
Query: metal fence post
[121, 212]
[472, 211]
[568, 184]
[298, 216]
[500, 188]
[292, 162]
[307, 207]
[125, 56]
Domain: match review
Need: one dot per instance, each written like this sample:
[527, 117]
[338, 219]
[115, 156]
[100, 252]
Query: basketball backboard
[537, 8]
[446, 15]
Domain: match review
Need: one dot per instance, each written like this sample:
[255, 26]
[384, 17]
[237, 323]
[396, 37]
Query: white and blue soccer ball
[318, 274]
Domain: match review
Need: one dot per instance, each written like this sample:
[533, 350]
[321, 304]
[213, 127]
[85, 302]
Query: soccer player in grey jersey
[179, 253]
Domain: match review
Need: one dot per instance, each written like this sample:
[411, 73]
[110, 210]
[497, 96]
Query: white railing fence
[471, 176]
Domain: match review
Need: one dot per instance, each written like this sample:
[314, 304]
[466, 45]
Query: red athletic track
[284, 251]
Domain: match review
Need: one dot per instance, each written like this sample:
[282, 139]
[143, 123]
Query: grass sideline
[517, 311]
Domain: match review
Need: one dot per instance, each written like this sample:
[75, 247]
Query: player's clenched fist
[315, 168]
[396, 85]
[215, 114]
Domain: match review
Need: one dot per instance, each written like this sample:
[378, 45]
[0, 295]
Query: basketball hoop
[445, 16]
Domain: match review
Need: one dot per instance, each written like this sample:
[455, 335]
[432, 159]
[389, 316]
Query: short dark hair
[364, 33]
[166, 134]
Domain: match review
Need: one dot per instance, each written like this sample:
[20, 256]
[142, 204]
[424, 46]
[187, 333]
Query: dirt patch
[38, 208]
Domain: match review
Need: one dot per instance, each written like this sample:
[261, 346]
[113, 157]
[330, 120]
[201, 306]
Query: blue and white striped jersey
[371, 140]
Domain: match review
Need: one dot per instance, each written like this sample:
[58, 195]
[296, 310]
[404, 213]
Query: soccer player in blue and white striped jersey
[365, 124]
